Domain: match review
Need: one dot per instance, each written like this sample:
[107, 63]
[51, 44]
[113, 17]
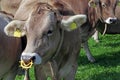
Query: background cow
[101, 11]
[7, 12]
[10, 49]
[110, 28]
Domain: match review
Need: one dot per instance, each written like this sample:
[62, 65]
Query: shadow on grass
[108, 44]
[111, 60]
[105, 76]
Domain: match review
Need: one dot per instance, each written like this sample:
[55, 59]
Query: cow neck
[60, 44]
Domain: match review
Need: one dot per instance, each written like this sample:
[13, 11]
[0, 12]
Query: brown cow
[103, 11]
[110, 28]
[7, 11]
[9, 6]
[93, 14]
[10, 49]
[52, 44]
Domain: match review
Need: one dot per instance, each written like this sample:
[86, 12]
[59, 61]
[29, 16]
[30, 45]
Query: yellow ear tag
[92, 4]
[73, 26]
[17, 33]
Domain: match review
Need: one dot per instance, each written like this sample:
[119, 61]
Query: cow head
[105, 9]
[43, 30]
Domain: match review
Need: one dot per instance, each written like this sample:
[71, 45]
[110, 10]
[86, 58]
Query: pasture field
[107, 65]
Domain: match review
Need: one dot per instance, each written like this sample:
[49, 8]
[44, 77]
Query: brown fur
[67, 56]
[66, 60]
[9, 6]
[70, 7]
[112, 28]
[10, 50]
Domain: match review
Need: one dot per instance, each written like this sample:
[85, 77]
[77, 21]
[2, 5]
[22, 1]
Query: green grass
[107, 55]
[107, 65]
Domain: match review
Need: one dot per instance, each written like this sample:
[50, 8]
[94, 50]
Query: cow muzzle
[28, 59]
[111, 20]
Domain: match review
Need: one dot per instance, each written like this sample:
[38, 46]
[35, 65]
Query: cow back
[9, 6]
[9, 49]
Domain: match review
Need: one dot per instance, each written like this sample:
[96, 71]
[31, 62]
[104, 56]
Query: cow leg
[95, 36]
[88, 53]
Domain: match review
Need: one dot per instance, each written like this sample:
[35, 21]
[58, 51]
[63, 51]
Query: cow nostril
[113, 20]
[33, 58]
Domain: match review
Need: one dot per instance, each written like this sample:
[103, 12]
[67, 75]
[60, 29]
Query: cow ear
[91, 3]
[15, 28]
[73, 22]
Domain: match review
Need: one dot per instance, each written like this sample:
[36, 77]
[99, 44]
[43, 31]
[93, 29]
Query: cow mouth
[26, 65]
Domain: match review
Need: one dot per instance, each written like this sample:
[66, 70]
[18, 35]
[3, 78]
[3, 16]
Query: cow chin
[31, 56]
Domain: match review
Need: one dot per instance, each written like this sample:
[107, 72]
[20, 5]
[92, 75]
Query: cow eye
[104, 5]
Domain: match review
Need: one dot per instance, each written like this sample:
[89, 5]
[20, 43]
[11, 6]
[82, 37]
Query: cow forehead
[41, 20]
[43, 13]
